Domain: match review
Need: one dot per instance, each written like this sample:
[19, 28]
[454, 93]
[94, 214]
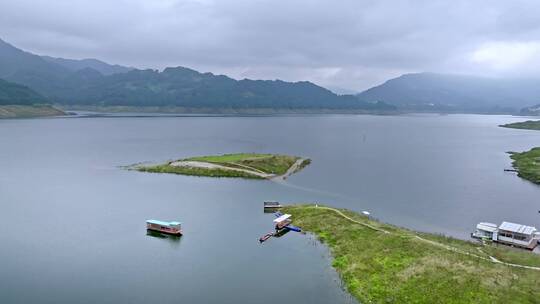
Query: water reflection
[174, 239]
[281, 233]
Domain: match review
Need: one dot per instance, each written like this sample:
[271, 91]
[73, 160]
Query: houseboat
[174, 228]
[509, 233]
[518, 235]
[486, 231]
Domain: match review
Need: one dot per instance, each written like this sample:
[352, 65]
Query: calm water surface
[72, 227]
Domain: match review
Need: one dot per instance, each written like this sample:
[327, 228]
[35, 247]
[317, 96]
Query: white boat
[485, 231]
[282, 221]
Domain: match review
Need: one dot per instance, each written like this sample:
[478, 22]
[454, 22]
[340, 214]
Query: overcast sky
[344, 44]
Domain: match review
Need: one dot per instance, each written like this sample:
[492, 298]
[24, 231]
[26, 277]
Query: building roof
[517, 228]
[162, 223]
[282, 218]
[490, 227]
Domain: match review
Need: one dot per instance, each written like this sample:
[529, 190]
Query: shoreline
[220, 111]
[379, 261]
[526, 163]
[262, 111]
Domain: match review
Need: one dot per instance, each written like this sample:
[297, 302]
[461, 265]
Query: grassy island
[527, 125]
[381, 263]
[244, 165]
[527, 164]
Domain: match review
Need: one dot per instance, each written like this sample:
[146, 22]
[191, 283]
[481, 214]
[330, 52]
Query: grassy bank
[528, 125]
[167, 168]
[527, 164]
[380, 263]
[245, 165]
[25, 111]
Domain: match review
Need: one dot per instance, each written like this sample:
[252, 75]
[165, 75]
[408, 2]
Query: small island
[525, 125]
[241, 165]
[381, 263]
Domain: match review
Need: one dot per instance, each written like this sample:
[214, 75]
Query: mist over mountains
[93, 82]
[456, 93]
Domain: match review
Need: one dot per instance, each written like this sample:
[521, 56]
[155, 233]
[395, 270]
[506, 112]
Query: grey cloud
[347, 44]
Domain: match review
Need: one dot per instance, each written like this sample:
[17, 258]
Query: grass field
[398, 267]
[267, 163]
[528, 125]
[527, 164]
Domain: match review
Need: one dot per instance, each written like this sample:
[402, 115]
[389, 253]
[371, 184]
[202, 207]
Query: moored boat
[282, 221]
[509, 233]
[174, 228]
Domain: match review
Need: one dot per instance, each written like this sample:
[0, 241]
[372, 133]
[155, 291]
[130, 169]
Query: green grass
[529, 125]
[396, 267]
[166, 168]
[227, 158]
[28, 111]
[267, 163]
[527, 164]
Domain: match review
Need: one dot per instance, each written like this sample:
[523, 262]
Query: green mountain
[16, 94]
[98, 65]
[188, 88]
[81, 83]
[455, 93]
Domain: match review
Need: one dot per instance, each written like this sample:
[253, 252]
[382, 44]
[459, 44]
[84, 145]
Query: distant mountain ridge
[81, 64]
[92, 82]
[455, 93]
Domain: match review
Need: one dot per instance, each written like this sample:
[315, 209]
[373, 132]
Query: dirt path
[205, 165]
[291, 170]
[434, 243]
[249, 170]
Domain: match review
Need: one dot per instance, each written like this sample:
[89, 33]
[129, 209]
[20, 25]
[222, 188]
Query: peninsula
[243, 165]
[381, 263]
[525, 125]
[527, 164]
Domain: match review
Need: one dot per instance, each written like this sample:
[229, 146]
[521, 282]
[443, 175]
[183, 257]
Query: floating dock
[272, 205]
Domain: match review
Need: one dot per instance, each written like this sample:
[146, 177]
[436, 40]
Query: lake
[73, 222]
